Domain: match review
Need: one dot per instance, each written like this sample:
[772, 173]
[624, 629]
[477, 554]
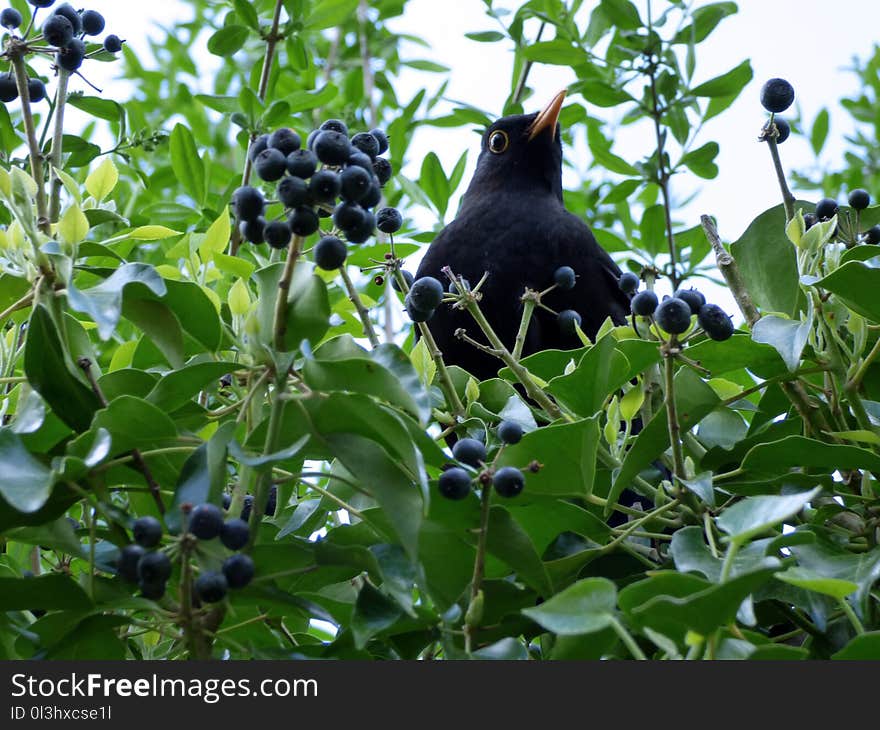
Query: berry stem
[480, 558]
[194, 643]
[529, 302]
[628, 641]
[281, 302]
[669, 353]
[787, 198]
[57, 146]
[362, 311]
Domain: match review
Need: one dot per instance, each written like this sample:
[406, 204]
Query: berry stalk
[479, 561]
[57, 146]
[362, 311]
[281, 310]
[530, 300]
[787, 197]
[669, 352]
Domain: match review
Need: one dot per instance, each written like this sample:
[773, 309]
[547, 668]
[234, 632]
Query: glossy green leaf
[26, 483]
[582, 608]
[753, 515]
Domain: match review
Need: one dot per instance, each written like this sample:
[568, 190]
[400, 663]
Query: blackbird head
[521, 153]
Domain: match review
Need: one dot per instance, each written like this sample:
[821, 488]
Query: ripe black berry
[41, 3]
[206, 521]
[292, 191]
[303, 221]
[57, 30]
[366, 143]
[246, 506]
[69, 12]
[455, 483]
[783, 129]
[407, 277]
[8, 88]
[361, 232]
[334, 125]
[872, 235]
[92, 22]
[564, 278]
[826, 209]
[152, 591]
[569, 321]
[372, 196]
[673, 316]
[238, 570]
[810, 220]
[285, 140]
[147, 531]
[270, 164]
[383, 170]
[271, 501]
[694, 299]
[302, 163]
[416, 314]
[10, 18]
[332, 148]
[253, 230]
[859, 199]
[127, 565]
[777, 95]
[277, 234]
[257, 146]
[330, 253]
[508, 481]
[381, 138]
[36, 90]
[426, 293]
[348, 215]
[715, 322]
[355, 182]
[211, 586]
[112, 44]
[154, 567]
[359, 159]
[227, 498]
[469, 451]
[235, 533]
[324, 186]
[510, 432]
[644, 303]
[389, 220]
[248, 203]
[628, 282]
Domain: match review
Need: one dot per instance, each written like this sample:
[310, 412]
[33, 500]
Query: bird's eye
[498, 141]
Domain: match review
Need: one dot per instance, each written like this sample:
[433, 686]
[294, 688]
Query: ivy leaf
[582, 608]
[26, 483]
[753, 515]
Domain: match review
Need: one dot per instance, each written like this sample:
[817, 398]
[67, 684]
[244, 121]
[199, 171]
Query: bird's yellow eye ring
[498, 141]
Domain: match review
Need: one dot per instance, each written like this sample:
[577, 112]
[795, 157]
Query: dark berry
[455, 286]
[777, 95]
[10, 18]
[628, 283]
[206, 521]
[469, 451]
[127, 565]
[92, 22]
[292, 191]
[41, 3]
[257, 146]
[355, 182]
[211, 586]
[36, 90]
[285, 140]
[872, 235]
[8, 88]
[381, 138]
[147, 531]
[303, 221]
[455, 483]
[508, 481]
[334, 125]
[324, 186]
[227, 498]
[426, 293]
[330, 253]
[644, 303]
[253, 230]
[783, 129]
[416, 314]
[152, 591]
[58, 30]
[277, 234]
[69, 12]
[859, 199]
[407, 277]
[564, 278]
[673, 315]
[332, 148]
[248, 203]
[694, 299]
[383, 170]
[154, 567]
[510, 432]
[372, 196]
[348, 215]
[366, 143]
[235, 533]
[238, 570]
[270, 164]
[715, 322]
[246, 506]
[113, 44]
[810, 220]
[569, 321]
[389, 220]
[359, 159]
[363, 231]
[271, 501]
[302, 163]
[826, 209]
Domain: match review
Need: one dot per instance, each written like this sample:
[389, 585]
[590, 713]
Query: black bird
[513, 224]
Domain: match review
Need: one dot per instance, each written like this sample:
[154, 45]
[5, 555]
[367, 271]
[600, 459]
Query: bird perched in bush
[513, 224]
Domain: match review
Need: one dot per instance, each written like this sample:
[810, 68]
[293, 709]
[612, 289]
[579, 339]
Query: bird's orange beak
[548, 117]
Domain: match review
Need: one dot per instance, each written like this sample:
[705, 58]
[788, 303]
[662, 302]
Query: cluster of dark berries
[564, 278]
[206, 523]
[508, 481]
[247, 506]
[423, 297]
[777, 95]
[142, 564]
[827, 208]
[673, 314]
[65, 29]
[333, 175]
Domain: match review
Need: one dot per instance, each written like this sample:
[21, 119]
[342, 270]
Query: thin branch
[57, 144]
[362, 311]
[788, 199]
[672, 411]
[526, 69]
[281, 301]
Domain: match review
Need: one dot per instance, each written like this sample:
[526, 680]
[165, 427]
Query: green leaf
[754, 515]
[308, 305]
[834, 587]
[508, 649]
[179, 386]
[558, 52]
[862, 647]
[102, 179]
[819, 132]
[331, 13]
[777, 457]
[373, 613]
[433, 182]
[601, 371]
[728, 84]
[788, 337]
[622, 13]
[508, 542]
[189, 168]
[854, 283]
[701, 161]
[228, 40]
[703, 21]
[582, 608]
[247, 13]
[26, 483]
[52, 592]
[73, 226]
[134, 423]
[486, 36]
